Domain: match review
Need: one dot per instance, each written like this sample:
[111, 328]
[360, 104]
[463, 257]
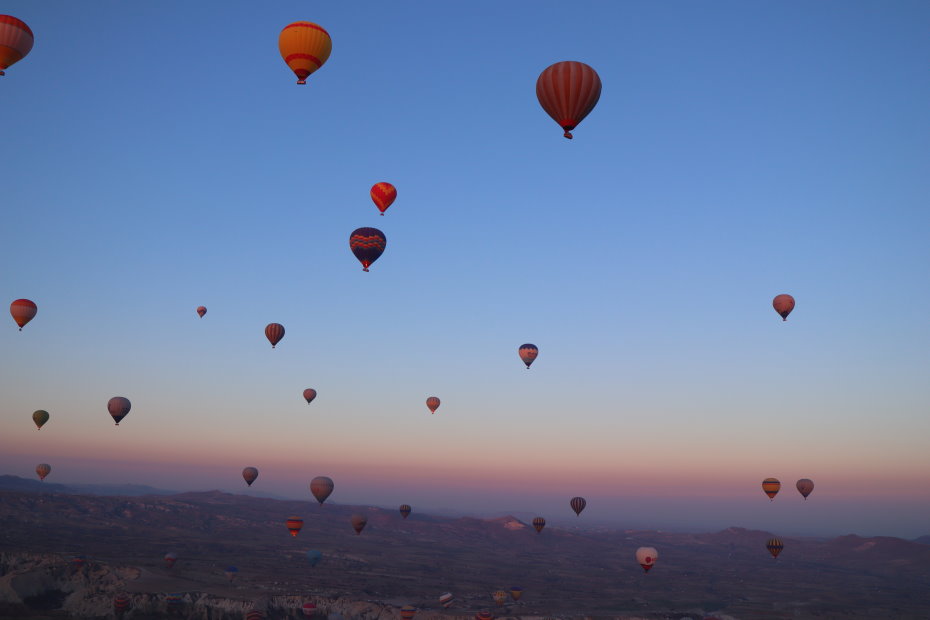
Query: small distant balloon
[432, 403]
[119, 407]
[528, 353]
[646, 556]
[309, 395]
[22, 310]
[250, 474]
[383, 195]
[367, 244]
[805, 486]
[405, 510]
[484, 615]
[446, 599]
[274, 332]
[308, 609]
[321, 487]
[774, 546]
[170, 558]
[539, 523]
[231, 572]
[770, 487]
[407, 612]
[43, 469]
[783, 305]
[40, 417]
[578, 504]
[294, 525]
[121, 603]
[314, 557]
[516, 592]
[201, 310]
[358, 523]
[255, 614]
[16, 40]
[500, 597]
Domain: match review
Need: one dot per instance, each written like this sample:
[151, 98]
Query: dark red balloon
[367, 244]
[274, 332]
[568, 91]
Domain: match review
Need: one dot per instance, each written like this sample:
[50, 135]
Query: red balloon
[23, 310]
[783, 305]
[568, 91]
[274, 332]
[309, 395]
[201, 310]
[383, 195]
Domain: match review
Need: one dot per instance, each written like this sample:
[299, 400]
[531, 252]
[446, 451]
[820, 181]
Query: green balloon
[40, 417]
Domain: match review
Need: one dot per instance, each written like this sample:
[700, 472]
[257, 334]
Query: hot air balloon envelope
[432, 403]
[249, 474]
[321, 487]
[40, 417]
[568, 91]
[16, 40]
[358, 523]
[646, 556]
[367, 244]
[201, 310]
[578, 504]
[774, 546]
[383, 195]
[314, 557]
[309, 395]
[22, 310]
[405, 510]
[783, 305]
[539, 523]
[805, 486]
[119, 407]
[274, 332]
[770, 487]
[43, 469]
[304, 46]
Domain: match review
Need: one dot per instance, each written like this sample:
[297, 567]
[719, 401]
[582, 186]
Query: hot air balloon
[783, 305]
[568, 91]
[255, 614]
[539, 523]
[805, 486]
[304, 46]
[314, 557]
[309, 395]
[358, 522]
[383, 195]
[201, 310]
[40, 417]
[432, 403]
[274, 332]
[308, 609]
[43, 469]
[500, 597]
[174, 600]
[528, 353]
[321, 487]
[367, 244]
[446, 599]
[578, 504]
[516, 592]
[484, 615]
[119, 407]
[293, 525]
[78, 561]
[16, 40]
[249, 474]
[646, 556]
[774, 546]
[405, 510]
[170, 558]
[22, 310]
[771, 486]
[231, 572]
[121, 603]
[407, 612]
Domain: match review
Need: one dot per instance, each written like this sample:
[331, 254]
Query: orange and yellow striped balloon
[383, 194]
[770, 487]
[304, 46]
[16, 41]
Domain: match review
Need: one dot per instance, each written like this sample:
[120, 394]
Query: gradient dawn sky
[159, 156]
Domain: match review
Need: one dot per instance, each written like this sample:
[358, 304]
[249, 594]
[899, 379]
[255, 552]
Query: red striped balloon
[367, 244]
[383, 194]
[274, 332]
[407, 612]
[16, 41]
[23, 311]
[201, 310]
[432, 403]
[294, 524]
[578, 504]
[568, 91]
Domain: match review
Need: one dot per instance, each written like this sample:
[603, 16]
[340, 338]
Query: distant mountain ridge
[15, 483]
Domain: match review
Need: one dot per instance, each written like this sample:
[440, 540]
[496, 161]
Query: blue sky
[160, 157]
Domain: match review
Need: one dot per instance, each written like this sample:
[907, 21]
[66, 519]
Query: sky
[159, 157]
